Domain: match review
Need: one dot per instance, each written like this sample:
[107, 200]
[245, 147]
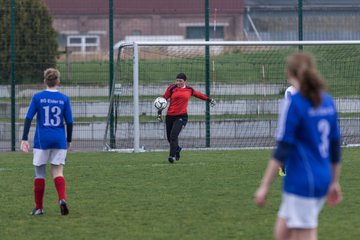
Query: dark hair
[181, 76]
[303, 67]
[51, 77]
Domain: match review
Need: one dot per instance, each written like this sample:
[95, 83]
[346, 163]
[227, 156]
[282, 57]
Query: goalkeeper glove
[212, 102]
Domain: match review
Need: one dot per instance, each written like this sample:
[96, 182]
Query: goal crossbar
[236, 43]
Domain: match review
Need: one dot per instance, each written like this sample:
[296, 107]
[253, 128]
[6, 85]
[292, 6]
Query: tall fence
[77, 37]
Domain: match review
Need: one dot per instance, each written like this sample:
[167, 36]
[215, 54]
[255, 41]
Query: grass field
[206, 195]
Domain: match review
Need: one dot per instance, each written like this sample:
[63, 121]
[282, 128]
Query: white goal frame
[138, 44]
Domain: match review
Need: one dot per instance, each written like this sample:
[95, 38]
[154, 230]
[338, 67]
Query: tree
[35, 41]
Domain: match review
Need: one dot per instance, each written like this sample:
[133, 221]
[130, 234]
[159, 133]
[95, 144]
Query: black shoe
[171, 159]
[177, 154]
[64, 210]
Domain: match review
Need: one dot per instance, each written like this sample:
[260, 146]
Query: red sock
[39, 190]
[60, 187]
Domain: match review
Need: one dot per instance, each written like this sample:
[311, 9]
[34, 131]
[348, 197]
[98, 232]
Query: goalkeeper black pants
[174, 125]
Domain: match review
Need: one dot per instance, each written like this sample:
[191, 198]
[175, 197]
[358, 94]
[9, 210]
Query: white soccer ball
[160, 103]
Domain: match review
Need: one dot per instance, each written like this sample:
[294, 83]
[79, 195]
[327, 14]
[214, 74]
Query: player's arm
[334, 196]
[166, 95]
[24, 145]
[168, 91]
[288, 121]
[69, 122]
[69, 131]
[202, 96]
[269, 175]
[280, 154]
[159, 117]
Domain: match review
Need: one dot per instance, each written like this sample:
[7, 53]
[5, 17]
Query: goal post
[246, 78]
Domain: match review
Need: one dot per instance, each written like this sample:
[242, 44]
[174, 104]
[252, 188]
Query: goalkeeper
[177, 117]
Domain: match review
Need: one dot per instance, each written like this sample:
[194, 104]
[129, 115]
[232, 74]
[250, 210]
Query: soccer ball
[160, 103]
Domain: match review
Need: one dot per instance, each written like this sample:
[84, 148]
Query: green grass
[207, 195]
[89, 72]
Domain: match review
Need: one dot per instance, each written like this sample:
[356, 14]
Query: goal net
[247, 79]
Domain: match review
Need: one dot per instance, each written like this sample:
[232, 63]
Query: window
[198, 32]
[136, 33]
[61, 40]
[83, 44]
[75, 40]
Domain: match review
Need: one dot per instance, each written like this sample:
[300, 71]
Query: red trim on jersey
[179, 98]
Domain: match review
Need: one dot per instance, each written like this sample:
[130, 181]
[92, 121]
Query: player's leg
[178, 149]
[59, 180]
[57, 165]
[39, 189]
[169, 125]
[177, 153]
[281, 232]
[174, 135]
[39, 160]
[303, 234]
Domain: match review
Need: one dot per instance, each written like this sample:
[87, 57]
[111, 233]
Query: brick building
[83, 25]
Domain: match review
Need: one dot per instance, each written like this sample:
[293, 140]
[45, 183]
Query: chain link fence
[79, 38]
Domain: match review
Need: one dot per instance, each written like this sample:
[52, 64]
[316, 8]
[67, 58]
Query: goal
[247, 79]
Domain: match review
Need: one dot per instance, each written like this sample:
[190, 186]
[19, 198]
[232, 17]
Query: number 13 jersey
[51, 108]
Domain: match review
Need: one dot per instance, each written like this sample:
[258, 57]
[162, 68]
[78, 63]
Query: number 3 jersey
[310, 132]
[51, 108]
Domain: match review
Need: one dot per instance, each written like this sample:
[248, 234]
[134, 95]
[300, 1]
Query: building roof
[101, 7]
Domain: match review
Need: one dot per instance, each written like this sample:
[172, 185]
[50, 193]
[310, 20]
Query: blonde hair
[52, 77]
[303, 67]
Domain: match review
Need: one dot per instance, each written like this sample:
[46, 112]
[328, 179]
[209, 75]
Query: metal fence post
[300, 22]
[13, 80]
[207, 73]
[111, 71]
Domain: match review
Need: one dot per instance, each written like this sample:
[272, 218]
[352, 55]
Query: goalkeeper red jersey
[179, 99]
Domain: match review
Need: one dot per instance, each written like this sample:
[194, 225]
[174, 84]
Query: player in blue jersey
[308, 140]
[50, 142]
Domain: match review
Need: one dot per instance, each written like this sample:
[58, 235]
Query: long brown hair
[303, 67]
[52, 77]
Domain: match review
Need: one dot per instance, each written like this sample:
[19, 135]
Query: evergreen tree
[35, 41]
